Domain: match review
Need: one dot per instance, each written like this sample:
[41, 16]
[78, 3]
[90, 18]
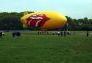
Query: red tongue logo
[37, 20]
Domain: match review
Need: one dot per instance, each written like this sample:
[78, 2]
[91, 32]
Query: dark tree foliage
[79, 24]
[10, 21]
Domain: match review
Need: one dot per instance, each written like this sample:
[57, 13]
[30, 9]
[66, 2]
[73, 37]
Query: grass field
[76, 48]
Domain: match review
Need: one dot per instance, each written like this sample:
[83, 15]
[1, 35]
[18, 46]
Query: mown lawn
[46, 49]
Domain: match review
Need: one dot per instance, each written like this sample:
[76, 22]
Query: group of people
[2, 34]
[63, 33]
[59, 33]
[14, 34]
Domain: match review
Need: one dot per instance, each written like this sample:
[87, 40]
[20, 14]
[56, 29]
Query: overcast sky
[72, 8]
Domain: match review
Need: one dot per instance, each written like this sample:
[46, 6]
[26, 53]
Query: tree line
[83, 24]
[11, 21]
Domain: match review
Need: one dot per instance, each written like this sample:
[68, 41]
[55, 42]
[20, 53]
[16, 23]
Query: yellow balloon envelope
[44, 20]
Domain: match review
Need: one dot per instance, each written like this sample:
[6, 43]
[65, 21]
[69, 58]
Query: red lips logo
[37, 20]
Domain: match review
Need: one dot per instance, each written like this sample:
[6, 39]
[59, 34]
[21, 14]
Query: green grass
[46, 49]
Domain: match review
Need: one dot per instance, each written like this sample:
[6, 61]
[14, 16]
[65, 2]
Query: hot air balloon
[45, 20]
